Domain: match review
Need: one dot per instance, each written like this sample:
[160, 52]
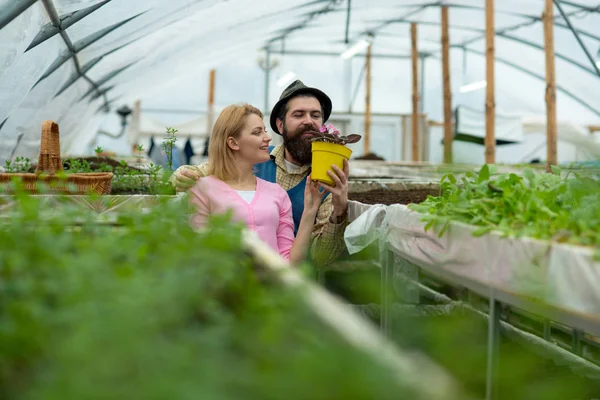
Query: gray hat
[294, 89]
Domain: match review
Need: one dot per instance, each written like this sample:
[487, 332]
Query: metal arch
[326, 9]
[532, 19]
[346, 37]
[333, 54]
[73, 49]
[505, 36]
[581, 6]
[107, 78]
[51, 29]
[51, 11]
[12, 11]
[530, 73]
[585, 50]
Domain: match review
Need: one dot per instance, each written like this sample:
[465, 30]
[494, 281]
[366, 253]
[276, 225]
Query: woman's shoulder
[274, 190]
[206, 182]
[270, 186]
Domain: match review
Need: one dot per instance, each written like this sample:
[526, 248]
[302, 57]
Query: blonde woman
[238, 142]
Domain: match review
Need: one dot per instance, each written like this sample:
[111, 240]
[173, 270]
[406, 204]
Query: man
[299, 111]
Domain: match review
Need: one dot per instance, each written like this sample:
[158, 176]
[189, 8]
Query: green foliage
[150, 309]
[20, 164]
[98, 150]
[539, 205]
[167, 145]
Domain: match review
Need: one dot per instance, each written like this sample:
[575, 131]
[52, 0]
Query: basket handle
[49, 160]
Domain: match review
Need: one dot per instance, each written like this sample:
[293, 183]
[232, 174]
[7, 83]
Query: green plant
[98, 150]
[21, 164]
[147, 308]
[139, 148]
[330, 134]
[540, 205]
[167, 145]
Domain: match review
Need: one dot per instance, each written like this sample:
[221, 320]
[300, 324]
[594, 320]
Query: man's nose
[308, 120]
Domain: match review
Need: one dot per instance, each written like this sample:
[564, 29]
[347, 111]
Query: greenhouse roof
[72, 60]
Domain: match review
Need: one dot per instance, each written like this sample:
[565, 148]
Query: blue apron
[268, 172]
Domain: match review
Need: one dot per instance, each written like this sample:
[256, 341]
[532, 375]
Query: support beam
[490, 105]
[447, 91]
[415, 92]
[405, 155]
[424, 145]
[346, 36]
[367, 139]
[211, 102]
[550, 84]
[585, 50]
[267, 78]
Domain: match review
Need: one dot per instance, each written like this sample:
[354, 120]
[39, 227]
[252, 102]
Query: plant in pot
[329, 149]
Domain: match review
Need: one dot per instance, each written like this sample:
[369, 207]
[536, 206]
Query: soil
[95, 163]
[127, 191]
[370, 156]
[388, 197]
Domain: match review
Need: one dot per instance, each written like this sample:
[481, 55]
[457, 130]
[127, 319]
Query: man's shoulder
[202, 169]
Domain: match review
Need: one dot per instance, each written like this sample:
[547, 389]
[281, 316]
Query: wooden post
[367, 139]
[490, 105]
[211, 102]
[415, 96]
[405, 153]
[550, 83]
[447, 92]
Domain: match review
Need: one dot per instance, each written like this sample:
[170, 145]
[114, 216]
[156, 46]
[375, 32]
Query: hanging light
[473, 86]
[286, 78]
[357, 48]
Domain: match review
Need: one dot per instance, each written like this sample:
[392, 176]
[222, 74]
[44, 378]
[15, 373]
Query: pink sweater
[269, 213]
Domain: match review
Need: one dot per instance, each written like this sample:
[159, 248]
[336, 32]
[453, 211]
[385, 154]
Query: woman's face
[253, 142]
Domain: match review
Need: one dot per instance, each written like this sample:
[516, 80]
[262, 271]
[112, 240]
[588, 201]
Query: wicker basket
[49, 163]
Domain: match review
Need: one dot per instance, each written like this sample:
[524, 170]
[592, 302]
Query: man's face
[302, 120]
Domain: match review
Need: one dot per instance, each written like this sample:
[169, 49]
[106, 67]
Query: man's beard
[299, 148]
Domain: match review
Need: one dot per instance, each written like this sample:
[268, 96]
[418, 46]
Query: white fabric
[472, 122]
[291, 167]
[564, 276]
[247, 195]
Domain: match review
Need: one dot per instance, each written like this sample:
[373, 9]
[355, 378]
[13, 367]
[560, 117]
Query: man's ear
[279, 124]
[232, 143]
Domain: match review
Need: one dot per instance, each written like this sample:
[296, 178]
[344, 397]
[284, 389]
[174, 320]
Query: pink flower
[323, 129]
[332, 130]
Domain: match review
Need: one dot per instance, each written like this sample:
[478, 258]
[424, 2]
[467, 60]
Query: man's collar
[278, 155]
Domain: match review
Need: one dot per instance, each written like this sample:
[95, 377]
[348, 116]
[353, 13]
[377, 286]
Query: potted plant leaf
[328, 149]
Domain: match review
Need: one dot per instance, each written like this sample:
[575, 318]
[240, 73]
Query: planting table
[558, 282]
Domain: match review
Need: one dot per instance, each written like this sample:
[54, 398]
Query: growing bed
[148, 308]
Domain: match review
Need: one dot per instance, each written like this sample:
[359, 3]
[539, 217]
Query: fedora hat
[294, 89]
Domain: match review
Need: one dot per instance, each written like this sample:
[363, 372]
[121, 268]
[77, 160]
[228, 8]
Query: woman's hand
[312, 196]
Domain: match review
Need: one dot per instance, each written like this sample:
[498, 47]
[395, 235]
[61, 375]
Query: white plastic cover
[563, 276]
[128, 48]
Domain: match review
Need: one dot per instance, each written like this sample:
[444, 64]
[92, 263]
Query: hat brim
[321, 96]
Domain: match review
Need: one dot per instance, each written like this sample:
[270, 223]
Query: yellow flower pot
[324, 156]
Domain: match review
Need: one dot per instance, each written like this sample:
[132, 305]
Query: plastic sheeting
[563, 276]
[71, 60]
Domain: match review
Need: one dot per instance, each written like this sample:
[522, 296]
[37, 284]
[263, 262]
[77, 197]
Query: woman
[239, 141]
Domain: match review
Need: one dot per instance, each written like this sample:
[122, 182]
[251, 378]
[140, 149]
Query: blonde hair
[230, 123]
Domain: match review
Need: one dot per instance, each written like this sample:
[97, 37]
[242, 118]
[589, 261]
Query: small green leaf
[484, 174]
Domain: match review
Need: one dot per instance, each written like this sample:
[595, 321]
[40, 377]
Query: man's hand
[185, 178]
[339, 193]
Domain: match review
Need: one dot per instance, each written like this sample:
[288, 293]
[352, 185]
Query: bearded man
[297, 116]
